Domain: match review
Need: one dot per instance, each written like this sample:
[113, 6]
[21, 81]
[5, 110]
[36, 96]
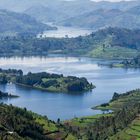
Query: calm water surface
[66, 31]
[66, 106]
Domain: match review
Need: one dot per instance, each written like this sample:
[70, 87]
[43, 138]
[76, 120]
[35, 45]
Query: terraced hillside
[20, 124]
[132, 132]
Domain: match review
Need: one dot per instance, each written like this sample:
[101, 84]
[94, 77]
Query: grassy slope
[82, 124]
[113, 52]
[51, 129]
[121, 101]
[132, 132]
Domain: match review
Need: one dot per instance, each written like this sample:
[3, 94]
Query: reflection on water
[66, 106]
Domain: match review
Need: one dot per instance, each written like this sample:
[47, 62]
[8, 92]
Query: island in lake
[46, 81]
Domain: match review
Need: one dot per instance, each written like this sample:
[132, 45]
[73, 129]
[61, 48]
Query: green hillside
[16, 23]
[105, 43]
[20, 124]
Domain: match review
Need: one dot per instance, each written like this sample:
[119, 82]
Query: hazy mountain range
[79, 13]
[60, 10]
[13, 23]
[88, 14]
[104, 18]
[17, 5]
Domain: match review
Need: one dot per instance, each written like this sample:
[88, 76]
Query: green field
[113, 52]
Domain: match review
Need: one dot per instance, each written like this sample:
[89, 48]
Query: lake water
[62, 105]
[66, 31]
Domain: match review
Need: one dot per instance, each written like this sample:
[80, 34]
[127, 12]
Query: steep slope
[14, 23]
[20, 124]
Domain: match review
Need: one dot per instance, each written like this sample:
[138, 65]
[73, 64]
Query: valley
[69, 70]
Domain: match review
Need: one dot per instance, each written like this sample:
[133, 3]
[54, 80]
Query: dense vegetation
[9, 75]
[54, 82]
[20, 124]
[106, 43]
[6, 95]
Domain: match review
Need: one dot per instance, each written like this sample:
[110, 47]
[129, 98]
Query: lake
[62, 105]
[66, 32]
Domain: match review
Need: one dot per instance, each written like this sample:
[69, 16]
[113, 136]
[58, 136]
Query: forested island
[46, 81]
[54, 82]
[122, 123]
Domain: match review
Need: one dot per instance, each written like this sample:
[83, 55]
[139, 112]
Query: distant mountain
[59, 10]
[45, 13]
[14, 23]
[102, 18]
[95, 19]
[17, 5]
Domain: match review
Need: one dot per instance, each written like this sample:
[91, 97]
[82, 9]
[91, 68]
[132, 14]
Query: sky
[113, 0]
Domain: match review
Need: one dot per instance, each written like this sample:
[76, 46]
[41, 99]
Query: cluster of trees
[135, 62]
[58, 82]
[3, 79]
[6, 75]
[36, 78]
[11, 71]
[19, 124]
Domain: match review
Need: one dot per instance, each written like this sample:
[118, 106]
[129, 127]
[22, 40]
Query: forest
[54, 82]
[105, 43]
